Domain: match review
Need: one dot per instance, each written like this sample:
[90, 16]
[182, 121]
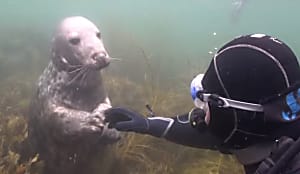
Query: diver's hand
[126, 120]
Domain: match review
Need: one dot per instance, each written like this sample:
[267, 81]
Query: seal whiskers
[83, 77]
[81, 72]
[116, 59]
[79, 68]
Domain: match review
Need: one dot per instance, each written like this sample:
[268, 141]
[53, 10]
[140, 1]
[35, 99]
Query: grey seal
[67, 111]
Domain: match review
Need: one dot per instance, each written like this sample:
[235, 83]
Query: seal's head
[77, 42]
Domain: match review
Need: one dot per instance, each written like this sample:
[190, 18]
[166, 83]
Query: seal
[66, 119]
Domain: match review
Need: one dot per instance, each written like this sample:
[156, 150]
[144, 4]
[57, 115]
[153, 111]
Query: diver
[247, 104]
[238, 6]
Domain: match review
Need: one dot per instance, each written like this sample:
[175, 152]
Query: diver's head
[244, 74]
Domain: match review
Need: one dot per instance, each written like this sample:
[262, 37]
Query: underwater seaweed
[12, 134]
[135, 153]
[149, 155]
[15, 92]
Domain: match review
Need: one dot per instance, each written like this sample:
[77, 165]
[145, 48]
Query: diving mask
[201, 98]
[196, 87]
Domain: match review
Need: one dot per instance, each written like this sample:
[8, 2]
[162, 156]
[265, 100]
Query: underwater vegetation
[13, 129]
[134, 154]
[146, 154]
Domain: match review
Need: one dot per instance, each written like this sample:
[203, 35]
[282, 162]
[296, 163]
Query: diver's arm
[177, 129]
[182, 132]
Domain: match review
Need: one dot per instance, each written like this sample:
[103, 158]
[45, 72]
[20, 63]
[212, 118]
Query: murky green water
[162, 44]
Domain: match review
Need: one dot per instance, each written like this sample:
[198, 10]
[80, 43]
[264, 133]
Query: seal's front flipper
[74, 124]
[109, 135]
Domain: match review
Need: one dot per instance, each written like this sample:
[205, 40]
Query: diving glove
[127, 120]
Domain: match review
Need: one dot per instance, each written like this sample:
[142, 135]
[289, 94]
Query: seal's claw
[110, 135]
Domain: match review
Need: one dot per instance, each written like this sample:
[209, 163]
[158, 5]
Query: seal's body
[66, 114]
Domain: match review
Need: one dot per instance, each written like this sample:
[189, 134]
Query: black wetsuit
[257, 158]
[179, 130]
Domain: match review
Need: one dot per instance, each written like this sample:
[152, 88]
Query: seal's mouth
[102, 63]
[101, 60]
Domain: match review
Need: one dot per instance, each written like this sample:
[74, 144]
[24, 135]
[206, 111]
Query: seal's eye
[98, 34]
[75, 40]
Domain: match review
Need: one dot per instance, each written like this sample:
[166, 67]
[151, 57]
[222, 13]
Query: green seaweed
[13, 128]
[134, 153]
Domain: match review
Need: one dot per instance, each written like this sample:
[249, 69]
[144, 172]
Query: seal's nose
[100, 55]
[101, 59]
